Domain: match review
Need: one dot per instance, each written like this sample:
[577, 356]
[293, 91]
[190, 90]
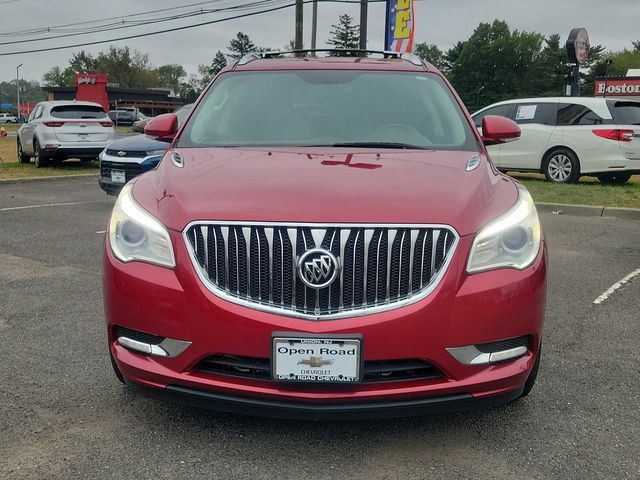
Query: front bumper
[463, 310]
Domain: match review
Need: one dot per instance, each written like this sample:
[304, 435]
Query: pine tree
[344, 36]
[240, 46]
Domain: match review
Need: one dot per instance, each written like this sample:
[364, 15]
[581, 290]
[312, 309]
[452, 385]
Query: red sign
[92, 87]
[628, 87]
[25, 108]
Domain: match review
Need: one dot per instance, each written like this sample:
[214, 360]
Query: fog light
[51, 147]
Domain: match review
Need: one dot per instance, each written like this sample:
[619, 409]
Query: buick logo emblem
[317, 268]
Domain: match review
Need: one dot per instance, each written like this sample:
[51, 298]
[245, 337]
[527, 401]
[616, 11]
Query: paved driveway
[63, 414]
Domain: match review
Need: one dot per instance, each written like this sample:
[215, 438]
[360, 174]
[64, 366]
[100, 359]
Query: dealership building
[95, 87]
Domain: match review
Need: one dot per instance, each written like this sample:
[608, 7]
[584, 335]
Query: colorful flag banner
[400, 27]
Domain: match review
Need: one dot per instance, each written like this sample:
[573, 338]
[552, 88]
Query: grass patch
[10, 127]
[11, 169]
[588, 192]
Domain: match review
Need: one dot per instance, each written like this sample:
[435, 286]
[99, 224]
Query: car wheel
[22, 157]
[41, 160]
[614, 178]
[531, 380]
[116, 370]
[562, 166]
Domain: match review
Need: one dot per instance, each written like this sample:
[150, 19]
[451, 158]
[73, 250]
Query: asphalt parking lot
[64, 415]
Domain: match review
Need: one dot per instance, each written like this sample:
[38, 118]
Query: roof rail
[354, 51]
[410, 57]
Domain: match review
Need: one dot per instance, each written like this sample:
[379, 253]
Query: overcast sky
[613, 23]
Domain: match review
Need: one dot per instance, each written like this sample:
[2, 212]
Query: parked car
[567, 137]
[125, 158]
[138, 126]
[123, 118]
[8, 118]
[59, 130]
[326, 238]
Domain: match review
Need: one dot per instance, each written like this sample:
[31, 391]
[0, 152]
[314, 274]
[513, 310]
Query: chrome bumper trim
[470, 355]
[169, 347]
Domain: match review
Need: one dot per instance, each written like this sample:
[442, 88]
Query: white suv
[8, 118]
[567, 137]
[61, 130]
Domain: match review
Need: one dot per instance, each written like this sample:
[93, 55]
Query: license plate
[83, 137]
[118, 177]
[316, 359]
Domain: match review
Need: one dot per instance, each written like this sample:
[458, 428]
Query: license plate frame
[314, 342]
[119, 177]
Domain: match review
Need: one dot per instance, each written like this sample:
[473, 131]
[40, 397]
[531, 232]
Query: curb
[589, 211]
[9, 181]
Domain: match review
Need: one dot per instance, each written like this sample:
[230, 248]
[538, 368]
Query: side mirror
[163, 127]
[497, 130]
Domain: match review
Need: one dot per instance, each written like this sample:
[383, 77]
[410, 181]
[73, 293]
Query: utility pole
[18, 87]
[299, 20]
[314, 26]
[364, 6]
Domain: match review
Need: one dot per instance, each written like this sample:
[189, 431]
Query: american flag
[404, 44]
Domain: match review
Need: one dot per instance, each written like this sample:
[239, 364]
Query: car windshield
[78, 111]
[329, 108]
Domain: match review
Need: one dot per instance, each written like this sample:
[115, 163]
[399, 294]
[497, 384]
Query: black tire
[40, 159]
[116, 370]
[614, 178]
[561, 166]
[22, 157]
[531, 381]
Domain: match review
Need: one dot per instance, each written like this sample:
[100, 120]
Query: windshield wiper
[378, 145]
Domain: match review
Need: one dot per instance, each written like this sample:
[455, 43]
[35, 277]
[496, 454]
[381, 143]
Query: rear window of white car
[625, 113]
[78, 112]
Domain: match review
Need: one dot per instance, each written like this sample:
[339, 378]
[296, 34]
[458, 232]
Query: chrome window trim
[345, 313]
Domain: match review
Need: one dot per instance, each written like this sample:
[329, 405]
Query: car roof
[332, 63]
[597, 104]
[56, 103]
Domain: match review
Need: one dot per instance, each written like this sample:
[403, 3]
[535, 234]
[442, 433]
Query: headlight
[510, 241]
[155, 152]
[136, 235]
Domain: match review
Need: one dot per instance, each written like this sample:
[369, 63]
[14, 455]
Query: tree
[344, 36]
[171, 76]
[553, 68]
[240, 46]
[128, 68]
[636, 46]
[496, 64]
[431, 54]
[56, 77]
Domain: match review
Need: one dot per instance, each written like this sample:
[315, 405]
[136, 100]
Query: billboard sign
[400, 26]
[578, 46]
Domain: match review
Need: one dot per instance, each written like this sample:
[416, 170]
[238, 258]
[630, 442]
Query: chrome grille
[380, 267]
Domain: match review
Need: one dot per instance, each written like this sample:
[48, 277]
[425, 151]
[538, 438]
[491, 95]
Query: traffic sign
[6, 105]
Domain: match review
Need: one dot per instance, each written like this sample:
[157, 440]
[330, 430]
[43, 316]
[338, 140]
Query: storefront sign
[400, 27]
[618, 87]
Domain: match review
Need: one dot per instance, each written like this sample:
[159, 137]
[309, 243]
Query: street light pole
[18, 87]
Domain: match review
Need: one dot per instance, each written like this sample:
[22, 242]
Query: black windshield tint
[326, 108]
[78, 112]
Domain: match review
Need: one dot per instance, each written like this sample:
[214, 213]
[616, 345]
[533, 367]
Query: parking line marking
[100, 231]
[616, 286]
[45, 205]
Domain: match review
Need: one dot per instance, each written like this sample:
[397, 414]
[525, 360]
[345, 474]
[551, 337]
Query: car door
[27, 130]
[537, 121]
[503, 110]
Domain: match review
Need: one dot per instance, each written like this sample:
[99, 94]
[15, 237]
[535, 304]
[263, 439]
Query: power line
[85, 22]
[120, 26]
[175, 29]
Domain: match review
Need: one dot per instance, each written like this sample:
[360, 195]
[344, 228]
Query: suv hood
[137, 143]
[325, 186]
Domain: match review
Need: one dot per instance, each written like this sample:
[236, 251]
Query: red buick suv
[326, 237]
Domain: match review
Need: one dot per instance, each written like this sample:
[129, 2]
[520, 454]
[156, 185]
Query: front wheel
[614, 178]
[22, 157]
[41, 160]
[562, 166]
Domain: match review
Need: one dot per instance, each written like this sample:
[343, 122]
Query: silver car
[59, 130]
